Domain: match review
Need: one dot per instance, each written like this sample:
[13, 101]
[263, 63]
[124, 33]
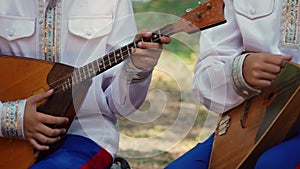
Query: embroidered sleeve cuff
[12, 117]
[134, 74]
[239, 83]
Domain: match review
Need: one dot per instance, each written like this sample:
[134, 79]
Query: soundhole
[270, 96]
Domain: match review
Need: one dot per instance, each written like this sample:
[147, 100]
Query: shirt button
[89, 32]
[11, 32]
[252, 11]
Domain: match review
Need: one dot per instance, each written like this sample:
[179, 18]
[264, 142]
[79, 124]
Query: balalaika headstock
[206, 15]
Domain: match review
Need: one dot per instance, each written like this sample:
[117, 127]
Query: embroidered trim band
[12, 119]
[135, 75]
[289, 25]
[50, 30]
[239, 84]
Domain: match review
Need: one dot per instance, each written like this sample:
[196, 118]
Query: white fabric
[252, 25]
[89, 30]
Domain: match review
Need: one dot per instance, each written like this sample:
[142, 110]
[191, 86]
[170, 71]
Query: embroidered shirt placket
[289, 36]
[49, 25]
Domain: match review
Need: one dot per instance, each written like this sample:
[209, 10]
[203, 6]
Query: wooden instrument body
[259, 123]
[25, 78]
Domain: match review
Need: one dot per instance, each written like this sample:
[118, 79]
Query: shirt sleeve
[122, 95]
[212, 84]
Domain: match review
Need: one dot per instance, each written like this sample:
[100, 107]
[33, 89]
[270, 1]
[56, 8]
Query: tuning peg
[199, 2]
[188, 10]
[208, 6]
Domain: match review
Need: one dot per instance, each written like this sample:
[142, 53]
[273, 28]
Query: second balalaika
[27, 77]
[248, 130]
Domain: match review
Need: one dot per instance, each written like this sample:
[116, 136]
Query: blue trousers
[77, 152]
[285, 155]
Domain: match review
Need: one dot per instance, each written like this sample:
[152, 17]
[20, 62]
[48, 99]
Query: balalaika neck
[108, 61]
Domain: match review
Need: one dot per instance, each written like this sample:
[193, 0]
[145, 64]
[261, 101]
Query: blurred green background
[174, 7]
[167, 11]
